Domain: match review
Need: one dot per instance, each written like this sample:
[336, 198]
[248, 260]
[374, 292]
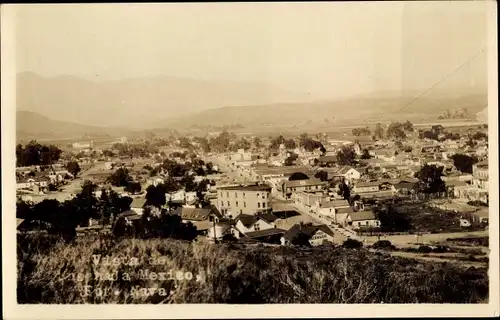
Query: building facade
[244, 199]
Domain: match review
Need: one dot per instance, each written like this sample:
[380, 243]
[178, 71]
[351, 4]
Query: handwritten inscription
[143, 274]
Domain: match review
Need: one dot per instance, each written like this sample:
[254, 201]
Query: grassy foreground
[48, 272]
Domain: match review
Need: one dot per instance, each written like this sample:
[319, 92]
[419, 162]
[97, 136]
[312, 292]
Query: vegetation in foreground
[48, 272]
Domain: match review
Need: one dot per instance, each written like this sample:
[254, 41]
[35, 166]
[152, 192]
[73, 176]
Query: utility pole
[215, 238]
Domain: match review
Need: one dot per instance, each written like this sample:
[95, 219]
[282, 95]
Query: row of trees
[62, 218]
[156, 195]
[361, 132]
[304, 141]
[395, 130]
[163, 225]
[34, 154]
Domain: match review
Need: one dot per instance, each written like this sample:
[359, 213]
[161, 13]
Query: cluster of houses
[36, 180]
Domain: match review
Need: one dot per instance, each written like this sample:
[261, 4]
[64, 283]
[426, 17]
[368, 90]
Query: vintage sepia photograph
[322, 154]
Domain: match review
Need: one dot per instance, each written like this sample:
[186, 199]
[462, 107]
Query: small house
[362, 219]
[317, 235]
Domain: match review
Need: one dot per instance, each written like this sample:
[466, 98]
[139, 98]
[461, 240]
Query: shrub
[424, 249]
[440, 249]
[352, 244]
[477, 203]
[384, 245]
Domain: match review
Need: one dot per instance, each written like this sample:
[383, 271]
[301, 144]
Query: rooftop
[260, 187]
[138, 203]
[345, 210]
[362, 215]
[248, 220]
[195, 214]
[308, 230]
[334, 203]
[265, 233]
[300, 183]
[367, 184]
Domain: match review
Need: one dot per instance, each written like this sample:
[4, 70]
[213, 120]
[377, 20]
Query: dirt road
[401, 240]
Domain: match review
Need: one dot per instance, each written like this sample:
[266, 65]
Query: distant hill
[343, 112]
[31, 125]
[137, 102]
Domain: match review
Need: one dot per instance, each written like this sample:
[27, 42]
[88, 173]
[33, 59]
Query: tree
[463, 162]
[298, 176]
[155, 196]
[189, 184]
[133, 187]
[480, 136]
[430, 179]
[73, 167]
[257, 142]
[229, 237]
[275, 143]
[408, 126]
[346, 156]
[361, 132]
[352, 244]
[395, 130]
[322, 175]
[120, 178]
[290, 144]
[366, 154]
[391, 220]
[289, 161]
[24, 209]
[85, 204]
[345, 191]
[301, 239]
[379, 131]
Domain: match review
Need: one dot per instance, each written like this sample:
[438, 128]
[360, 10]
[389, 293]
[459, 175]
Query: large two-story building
[244, 199]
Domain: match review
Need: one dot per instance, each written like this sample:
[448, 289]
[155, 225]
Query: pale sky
[329, 49]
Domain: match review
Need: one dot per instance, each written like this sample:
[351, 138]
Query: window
[228, 204]
[236, 203]
[243, 194]
[257, 195]
[258, 204]
[263, 204]
[244, 204]
[256, 227]
[236, 194]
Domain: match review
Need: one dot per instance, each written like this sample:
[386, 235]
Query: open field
[48, 272]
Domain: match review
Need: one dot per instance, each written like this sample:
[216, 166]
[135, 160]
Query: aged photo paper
[249, 160]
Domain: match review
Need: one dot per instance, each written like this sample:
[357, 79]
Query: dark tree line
[62, 218]
[34, 154]
[163, 225]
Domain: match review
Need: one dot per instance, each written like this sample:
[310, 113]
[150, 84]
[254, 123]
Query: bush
[477, 203]
[352, 244]
[440, 249]
[424, 249]
[384, 245]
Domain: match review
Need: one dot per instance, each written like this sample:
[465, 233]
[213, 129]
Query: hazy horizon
[327, 50]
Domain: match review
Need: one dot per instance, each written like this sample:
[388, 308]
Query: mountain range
[137, 102]
[67, 106]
